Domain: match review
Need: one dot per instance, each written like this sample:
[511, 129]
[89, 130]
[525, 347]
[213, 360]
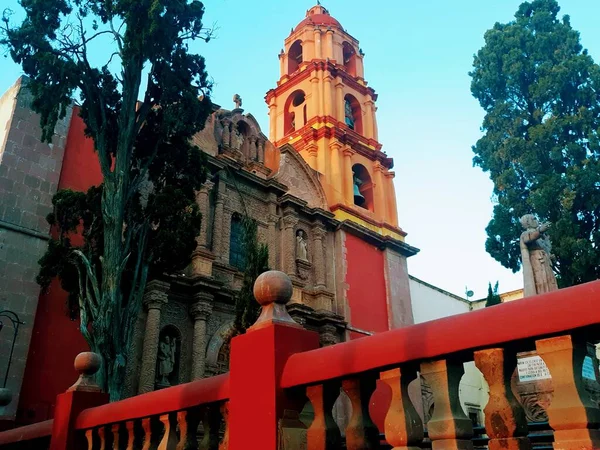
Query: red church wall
[56, 339]
[367, 292]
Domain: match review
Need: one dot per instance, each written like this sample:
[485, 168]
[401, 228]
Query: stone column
[319, 233]
[380, 191]
[318, 52]
[321, 96]
[392, 207]
[272, 220]
[369, 119]
[273, 121]
[217, 244]
[200, 312]
[261, 151]
[282, 63]
[314, 104]
[312, 151]
[252, 149]
[155, 297]
[289, 244]
[360, 68]
[340, 113]
[328, 53]
[226, 137]
[202, 198]
[347, 176]
[375, 128]
[328, 97]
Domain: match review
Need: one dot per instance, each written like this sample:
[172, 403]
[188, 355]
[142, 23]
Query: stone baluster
[155, 297]
[572, 414]
[187, 422]
[130, 427]
[102, 438]
[211, 421]
[505, 420]
[169, 438]
[200, 312]
[361, 432]
[323, 433]
[449, 427]
[116, 436]
[150, 433]
[403, 425]
[224, 445]
[318, 233]
[289, 244]
[218, 224]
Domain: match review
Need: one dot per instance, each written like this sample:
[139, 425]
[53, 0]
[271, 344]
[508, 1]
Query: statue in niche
[166, 359]
[301, 246]
[238, 101]
[536, 254]
[349, 117]
[237, 139]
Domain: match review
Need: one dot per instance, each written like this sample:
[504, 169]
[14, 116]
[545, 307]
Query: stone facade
[286, 200]
[29, 175]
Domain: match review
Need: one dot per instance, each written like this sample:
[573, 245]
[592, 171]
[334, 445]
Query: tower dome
[319, 16]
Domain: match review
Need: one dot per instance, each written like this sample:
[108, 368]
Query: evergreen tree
[143, 217]
[540, 91]
[493, 298]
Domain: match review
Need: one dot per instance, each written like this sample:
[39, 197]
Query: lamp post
[5, 394]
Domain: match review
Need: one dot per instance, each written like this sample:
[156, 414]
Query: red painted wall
[366, 280]
[56, 339]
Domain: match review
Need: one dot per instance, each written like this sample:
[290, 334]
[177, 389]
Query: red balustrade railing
[276, 367]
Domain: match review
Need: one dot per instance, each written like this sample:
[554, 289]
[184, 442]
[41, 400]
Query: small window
[294, 57]
[237, 251]
[353, 114]
[363, 187]
[349, 54]
[295, 112]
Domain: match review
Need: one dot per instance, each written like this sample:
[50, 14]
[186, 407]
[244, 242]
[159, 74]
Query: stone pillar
[289, 244]
[321, 97]
[155, 297]
[314, 104]
[360, 67]
[217, 244]
[328, 53]
[313, 151]
[328, 97]
[226, 137]
[282, 63]
[261, 150]
[392, 207]
[272, 220]
[200, 312]
[253, 149]
[202, 198]
[340, 113]
[375, 128]
[273, 121]
[369, 119]
[319, 233]
[347, 176]
[318, 51]
[380, 191]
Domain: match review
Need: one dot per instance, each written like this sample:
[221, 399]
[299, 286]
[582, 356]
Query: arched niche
[217, 351]
[295, 112]
[363, 187]
[168, 358]
[349, 54]
[353, 113]
[294, 57]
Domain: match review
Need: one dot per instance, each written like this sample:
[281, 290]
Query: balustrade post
[449, 428]
[257, 360]
[505, 420]
[361, 432]
[403, 425]
[82, 395]
[323, 433]
[572, 414]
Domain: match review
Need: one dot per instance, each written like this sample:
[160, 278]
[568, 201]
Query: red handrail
[543, 315]
[27, 433]
[176, 398]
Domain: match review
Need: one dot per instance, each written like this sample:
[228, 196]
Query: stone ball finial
[273, 290]
[5, 396]
[273, 287]
[87, 364]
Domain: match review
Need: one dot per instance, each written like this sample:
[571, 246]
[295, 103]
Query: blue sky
[418, 55]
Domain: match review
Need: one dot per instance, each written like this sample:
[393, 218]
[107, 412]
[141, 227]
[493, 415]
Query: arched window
[237, 252]
[349, 54]
[353, 114]
[295, 112]
[294, 57]
[363, 187]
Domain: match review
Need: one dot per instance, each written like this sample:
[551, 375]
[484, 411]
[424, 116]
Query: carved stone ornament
[303, 268]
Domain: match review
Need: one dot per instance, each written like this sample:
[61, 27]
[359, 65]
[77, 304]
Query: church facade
[318, 186]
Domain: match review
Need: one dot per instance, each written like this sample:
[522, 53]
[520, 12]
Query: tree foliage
[143, 217]
[540, 92]
[493, 298]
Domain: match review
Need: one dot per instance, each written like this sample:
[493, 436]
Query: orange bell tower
[325, 109]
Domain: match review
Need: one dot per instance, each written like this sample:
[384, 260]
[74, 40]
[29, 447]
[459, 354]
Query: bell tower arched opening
[295, 57]
[295, 112]
[353, 114]
[363, 187]
[349, 54]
